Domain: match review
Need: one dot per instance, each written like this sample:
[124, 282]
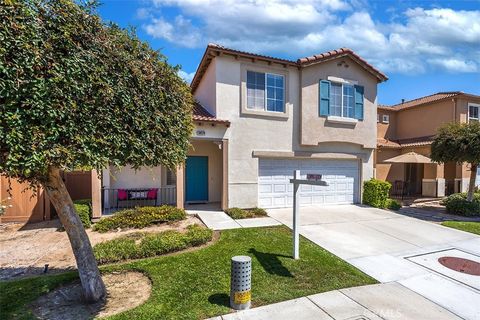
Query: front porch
[422, 179]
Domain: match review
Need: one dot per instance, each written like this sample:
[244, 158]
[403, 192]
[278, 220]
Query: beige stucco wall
[128, 178]
[387, 130]
[425, 120]
[364, 132]
[206, 90]
[249, 132]
[214, 154]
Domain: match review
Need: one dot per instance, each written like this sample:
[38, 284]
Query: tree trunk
[471, 185]
[92, 283]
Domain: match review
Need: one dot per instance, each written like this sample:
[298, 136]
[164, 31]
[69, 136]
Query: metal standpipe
[241, 283]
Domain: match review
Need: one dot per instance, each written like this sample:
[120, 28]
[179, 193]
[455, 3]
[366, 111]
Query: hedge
[144, 245]
[375, 193]
[139, 218]
[238, 213]
[457, 204]
[83, 208]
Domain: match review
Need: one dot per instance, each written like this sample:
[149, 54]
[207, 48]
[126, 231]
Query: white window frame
[265, 95]
[468, 112]
[342, 83]
[378, 117]
[385, 118]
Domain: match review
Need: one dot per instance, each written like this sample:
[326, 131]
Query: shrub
[457, 204]
[238, 213]
[375, 193]
[393, 204]
[143, 245]
[84, 211]
[140, 217]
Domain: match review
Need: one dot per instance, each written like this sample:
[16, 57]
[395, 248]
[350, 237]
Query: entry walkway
[219, 220]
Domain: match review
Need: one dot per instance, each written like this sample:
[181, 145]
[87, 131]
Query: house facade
[257, 119]
[410, 127]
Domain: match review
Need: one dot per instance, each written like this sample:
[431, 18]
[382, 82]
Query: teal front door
[196, 179]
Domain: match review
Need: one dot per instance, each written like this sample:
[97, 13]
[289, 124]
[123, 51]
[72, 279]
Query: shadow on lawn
[221, 299]
[271, 263]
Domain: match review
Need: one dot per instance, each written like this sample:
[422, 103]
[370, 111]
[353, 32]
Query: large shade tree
[459, 143]
[77, 93]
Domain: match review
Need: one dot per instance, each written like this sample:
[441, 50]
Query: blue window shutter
[359, 102]
[324, 97]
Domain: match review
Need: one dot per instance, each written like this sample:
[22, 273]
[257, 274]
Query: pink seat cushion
[152, 194]
[122, 194]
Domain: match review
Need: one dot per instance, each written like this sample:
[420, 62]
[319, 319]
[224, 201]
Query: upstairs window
[341, 100]
[386, 118]
[265, 91]
[473, 112]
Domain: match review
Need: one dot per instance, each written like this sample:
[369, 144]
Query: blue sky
[423, 46]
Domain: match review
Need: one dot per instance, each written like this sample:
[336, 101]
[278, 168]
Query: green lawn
[472, 227]
[195, 285]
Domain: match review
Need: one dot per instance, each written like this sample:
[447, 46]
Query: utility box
[241, 282]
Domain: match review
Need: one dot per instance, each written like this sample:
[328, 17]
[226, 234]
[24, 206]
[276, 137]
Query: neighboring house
[411, 126]
[257, 119]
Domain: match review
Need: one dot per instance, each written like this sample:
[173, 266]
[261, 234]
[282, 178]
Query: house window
[341, 100]
[385, 118]
[378, 118]
[473, 112]
[265, 91]
[171, 178]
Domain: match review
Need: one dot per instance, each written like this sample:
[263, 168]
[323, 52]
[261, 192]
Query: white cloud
[186, 76]
[424, 39]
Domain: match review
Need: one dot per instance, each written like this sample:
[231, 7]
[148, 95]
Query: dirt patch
[27, 249]
[125, 291]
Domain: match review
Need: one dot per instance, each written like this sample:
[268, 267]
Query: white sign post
[312, 179]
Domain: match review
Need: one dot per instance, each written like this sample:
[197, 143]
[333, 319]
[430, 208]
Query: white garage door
[478, 177]
[275, 189]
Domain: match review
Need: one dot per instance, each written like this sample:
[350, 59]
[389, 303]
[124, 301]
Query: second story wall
[387, 127]
[316, 129]
[424, 120]
[206, 91]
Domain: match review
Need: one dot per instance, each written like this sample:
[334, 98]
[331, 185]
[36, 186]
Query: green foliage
[238, 213]
[393, 204]
[149, 245]
[77, 93]
[84, 211]
[457, 204]
[457, 142]
[375, 193]
[140, 217]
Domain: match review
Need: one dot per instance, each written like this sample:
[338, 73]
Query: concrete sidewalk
[374, 302]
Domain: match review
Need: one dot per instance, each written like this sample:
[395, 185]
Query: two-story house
[410, 127]
[257, 119]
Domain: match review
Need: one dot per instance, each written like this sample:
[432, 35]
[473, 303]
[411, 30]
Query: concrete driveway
[394, 248]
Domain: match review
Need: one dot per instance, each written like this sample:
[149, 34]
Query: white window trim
[344, 120]
[265, 95]
[385, 118]
[342, 116]
[341, 80]
[475, 105]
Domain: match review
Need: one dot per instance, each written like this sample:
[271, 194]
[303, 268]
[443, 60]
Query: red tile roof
[213, 50]
[412, 142]
[427, 99]
[201, 114]
[342, 52]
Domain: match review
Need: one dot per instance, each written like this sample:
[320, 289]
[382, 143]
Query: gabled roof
[343, 52]
[201, 114]
[213, 50]
[426, 100]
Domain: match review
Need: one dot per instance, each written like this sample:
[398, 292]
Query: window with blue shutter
[324, 98]
[359, 102]
[340, 99]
